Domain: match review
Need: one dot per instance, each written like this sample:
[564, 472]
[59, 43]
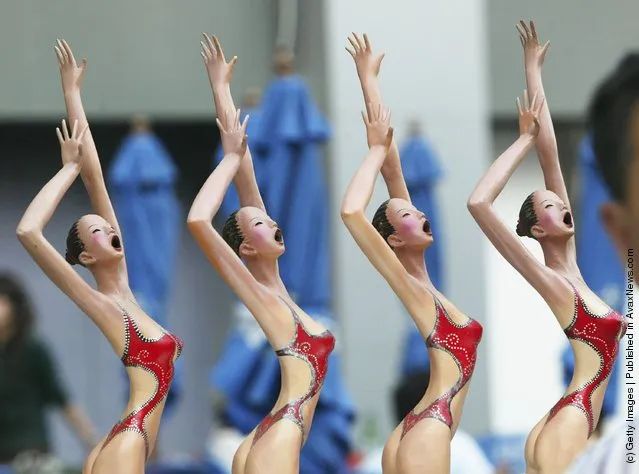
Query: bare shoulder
[421, 303]
[107, 315]
[558, 293]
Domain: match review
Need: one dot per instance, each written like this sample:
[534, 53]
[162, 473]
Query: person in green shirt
[29, 382]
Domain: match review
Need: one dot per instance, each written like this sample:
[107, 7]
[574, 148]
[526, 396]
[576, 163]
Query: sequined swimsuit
[156, 356]
[460, 341]
[314, 350]
[603, 334]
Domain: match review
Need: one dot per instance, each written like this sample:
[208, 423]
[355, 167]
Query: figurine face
[412, 229]
[101, 243]
[262, 237]
[554, 220]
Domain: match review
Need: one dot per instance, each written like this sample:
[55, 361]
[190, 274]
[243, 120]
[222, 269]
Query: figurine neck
[109, 279]
[267, 272]
[413, 261]
[557, 256]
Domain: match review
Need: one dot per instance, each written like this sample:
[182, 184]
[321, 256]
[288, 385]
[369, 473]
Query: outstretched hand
[529, 114]
[378, 129]
[366, 63]
[220, 72]
[71, 146]
[71, 74]
[534, 53]
[233, 134]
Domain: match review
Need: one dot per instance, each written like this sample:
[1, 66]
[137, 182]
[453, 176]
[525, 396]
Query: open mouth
[116, 243]
[427, 227]
[279, 237]
[568, 219]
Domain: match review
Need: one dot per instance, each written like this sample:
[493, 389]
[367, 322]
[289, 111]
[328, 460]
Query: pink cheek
[408, 225]
[262, 233]
[546, 219]
[98, 239]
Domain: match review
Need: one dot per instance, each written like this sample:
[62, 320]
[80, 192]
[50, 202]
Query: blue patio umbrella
[422, 171]
[288, 137]
[598, 261]
[142, 179]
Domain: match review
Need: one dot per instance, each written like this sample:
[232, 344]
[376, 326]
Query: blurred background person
[30, 383]
[613, 117]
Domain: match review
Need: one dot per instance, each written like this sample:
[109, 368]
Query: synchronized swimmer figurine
[95, 242]
[593, 329]
[395, 243]
[249, 234]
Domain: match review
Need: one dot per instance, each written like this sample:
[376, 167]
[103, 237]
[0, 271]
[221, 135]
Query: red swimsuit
[156, 356]
[603, 334]
[460, 341]
[314, 350]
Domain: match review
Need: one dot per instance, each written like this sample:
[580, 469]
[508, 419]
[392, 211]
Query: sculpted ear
[537, 231]
[247, 250]
[86, 259]
[395, 241]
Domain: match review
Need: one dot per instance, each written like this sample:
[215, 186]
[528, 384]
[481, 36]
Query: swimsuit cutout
[156, 356]
[603, 334]
[460, 341]
[312, 349]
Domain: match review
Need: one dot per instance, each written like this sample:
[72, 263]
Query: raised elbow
[476, 204]
[26, 233]
[197, 222]
[348, 213]
[194, 221]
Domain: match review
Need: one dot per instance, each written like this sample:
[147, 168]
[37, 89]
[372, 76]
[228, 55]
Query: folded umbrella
[142, 180]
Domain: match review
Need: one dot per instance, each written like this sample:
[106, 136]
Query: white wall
[587, 38]
[144, 55]
[418, 79]
[526, 340]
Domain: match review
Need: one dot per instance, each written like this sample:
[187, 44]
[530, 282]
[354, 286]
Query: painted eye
[547, 206]
[95, 230]
[406, 215]
[258, 223]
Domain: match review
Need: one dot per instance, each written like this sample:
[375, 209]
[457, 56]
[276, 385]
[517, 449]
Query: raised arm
[206, 205]
[72, 77]
[480, 205]
[31, 227]
[534, 55]
[220, 75]
[356, 200]
[368, 67]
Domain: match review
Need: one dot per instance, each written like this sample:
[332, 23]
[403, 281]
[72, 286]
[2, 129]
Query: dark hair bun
[70, 260]
[521, 232]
